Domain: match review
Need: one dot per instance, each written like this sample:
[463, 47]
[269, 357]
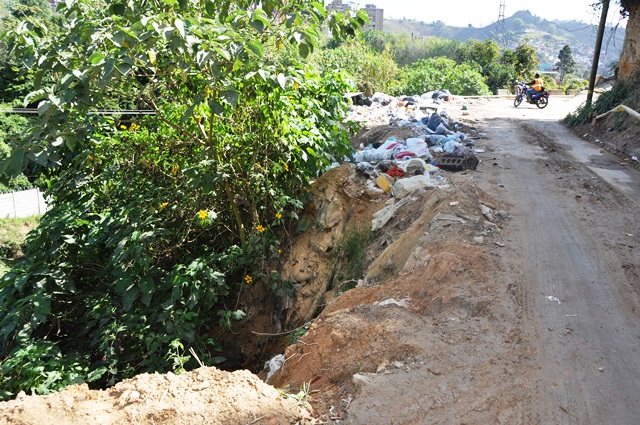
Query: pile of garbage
[383, 109]
[398, 166]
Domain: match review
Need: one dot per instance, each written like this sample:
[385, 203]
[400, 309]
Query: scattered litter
[274, 364]
[449, 217]
[382, 217]
[403, 187]
[551, 298]
[453, 204]
[629, 234]
[500, 244]
[487, 212]
[384, 182]
[413, 167]
[390, 301]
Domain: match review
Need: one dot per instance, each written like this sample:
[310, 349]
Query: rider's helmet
[537, 75]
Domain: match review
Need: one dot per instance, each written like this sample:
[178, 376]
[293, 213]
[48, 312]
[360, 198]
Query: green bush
[441, 73]
[372, 71]
[159, 226]
[13, 128]
[624, 91]
[576, 84]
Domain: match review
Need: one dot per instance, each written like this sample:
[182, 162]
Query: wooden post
[596, 53]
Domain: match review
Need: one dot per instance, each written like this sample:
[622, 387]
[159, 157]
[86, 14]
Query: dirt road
[577, 255]
[561, 345]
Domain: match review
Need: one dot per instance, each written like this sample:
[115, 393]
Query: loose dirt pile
[203, 396]
[424, 304]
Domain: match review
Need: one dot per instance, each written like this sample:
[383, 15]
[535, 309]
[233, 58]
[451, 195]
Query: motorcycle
[540, 99]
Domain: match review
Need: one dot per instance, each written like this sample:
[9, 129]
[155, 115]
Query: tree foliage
[158, 225]
[499, 68]
[373, 71]
[567, 64]
[441, 73]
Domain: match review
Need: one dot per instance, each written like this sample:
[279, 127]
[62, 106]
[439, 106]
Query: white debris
[274, 364]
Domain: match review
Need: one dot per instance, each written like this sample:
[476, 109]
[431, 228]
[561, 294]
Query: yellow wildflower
[123, 127]
[203, 215]
[260, 228]
[134, 127]
[278, 216]
[248, 279]
[163, 205]
[279, 251]
[174, 169]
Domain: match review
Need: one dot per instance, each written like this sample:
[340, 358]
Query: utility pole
[596, 53]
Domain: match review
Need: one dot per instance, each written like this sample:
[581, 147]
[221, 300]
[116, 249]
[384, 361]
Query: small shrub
[372, 71]
[351, 260]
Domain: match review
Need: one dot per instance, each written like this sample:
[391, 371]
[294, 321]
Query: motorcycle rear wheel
[518, 101]
[542, 102]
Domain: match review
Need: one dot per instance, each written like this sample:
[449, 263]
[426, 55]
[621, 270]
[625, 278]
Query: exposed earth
[508, 295]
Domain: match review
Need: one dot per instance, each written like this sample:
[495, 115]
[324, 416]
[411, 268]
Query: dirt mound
[203, 396]
[429, 273]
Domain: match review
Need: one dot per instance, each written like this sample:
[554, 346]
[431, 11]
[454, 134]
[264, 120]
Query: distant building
[376, 16]
[338, 6]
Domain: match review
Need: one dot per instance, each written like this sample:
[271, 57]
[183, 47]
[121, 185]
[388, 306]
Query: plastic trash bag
[450, 146]
[403, 187]
[419, 147]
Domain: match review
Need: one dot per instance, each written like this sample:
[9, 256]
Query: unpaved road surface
[577, 256]
[560, 344]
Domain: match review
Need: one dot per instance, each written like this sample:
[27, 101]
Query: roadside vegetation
[626, 91]
[471, 68]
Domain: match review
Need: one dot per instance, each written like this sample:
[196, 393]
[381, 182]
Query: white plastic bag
[419, 147]
[403, 187]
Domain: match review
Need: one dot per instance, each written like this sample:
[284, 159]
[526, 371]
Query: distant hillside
[548, 37]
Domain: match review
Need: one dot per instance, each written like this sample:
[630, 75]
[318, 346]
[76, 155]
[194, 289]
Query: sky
[481, 13]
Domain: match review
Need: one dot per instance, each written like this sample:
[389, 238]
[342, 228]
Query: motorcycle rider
[536, 86]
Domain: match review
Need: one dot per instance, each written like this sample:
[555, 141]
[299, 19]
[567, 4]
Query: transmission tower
[501, 30]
